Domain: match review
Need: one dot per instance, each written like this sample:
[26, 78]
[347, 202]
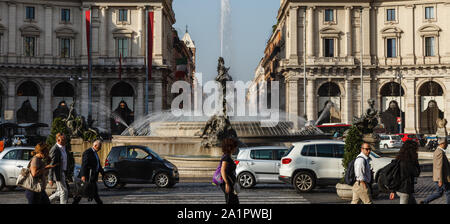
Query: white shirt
[63, 156]
[362, 168]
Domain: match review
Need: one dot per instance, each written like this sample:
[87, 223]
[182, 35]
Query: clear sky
[251, 27]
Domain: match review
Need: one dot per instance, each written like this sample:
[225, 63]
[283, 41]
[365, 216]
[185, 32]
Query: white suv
[259, 165]
[318, 162]
[390, 141]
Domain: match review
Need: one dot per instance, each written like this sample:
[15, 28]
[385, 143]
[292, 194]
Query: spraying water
[225, 12]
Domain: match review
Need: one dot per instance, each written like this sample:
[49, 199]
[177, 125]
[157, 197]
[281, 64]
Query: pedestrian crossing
[207, 198]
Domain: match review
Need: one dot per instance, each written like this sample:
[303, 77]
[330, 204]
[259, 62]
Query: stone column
[158, 44]
[141, 30]
[293, 37]
[366, 35]
[310, 32]
[348, 31]
[140, 102]
[348, 109]
[447, 99]
[293, 101]
[12, 27]
[83, 34]
[410, 106]
[102, 113]
[110, 41]
[11, 96]
[311, 99]
[158, 96]
[84, 98]
[48, 31]
[367, 91]
[46, 111]
[408, 52]
[104, 31]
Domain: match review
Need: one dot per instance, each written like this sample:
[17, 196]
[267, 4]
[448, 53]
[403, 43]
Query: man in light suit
[90, 168]
[58, 156]
[441, 173]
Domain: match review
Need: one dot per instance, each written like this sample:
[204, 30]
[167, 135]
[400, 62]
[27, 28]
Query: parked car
[308, 164]
[406, 137]
[390, 141]
[259, 165]
[12, 160]
[139, 165]
[20, 140]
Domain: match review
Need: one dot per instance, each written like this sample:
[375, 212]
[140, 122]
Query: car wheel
[110, 180]
[162, 180]
[386, 146]
[304, 182]
[2, 182]
[246, 180]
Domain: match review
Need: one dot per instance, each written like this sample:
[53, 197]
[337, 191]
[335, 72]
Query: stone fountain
[193, 143]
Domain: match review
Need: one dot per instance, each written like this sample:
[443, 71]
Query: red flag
[120, 66]
[150, 28]
[88, 33]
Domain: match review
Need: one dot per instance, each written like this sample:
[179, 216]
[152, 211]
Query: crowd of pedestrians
[407, 172]
[55, 166]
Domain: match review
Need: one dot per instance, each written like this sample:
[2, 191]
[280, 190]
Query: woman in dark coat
[409, 170]
[228, 171]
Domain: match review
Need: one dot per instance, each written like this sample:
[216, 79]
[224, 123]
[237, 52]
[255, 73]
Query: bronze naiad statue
[77, 126]
[366, 125]
[219, 126]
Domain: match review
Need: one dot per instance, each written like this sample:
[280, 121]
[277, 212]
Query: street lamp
[361, 59]
[400, 76]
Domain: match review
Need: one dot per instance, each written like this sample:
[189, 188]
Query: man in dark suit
[90, 168]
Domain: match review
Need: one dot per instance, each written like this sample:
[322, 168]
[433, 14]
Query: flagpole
[146, 62]
[90, 70]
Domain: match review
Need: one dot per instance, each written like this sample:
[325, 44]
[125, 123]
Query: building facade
[405, 63]
[44, 60]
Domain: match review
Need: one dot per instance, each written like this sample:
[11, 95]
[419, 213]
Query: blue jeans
[445, 189]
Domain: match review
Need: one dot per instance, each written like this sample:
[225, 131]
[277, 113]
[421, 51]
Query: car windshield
[375, 155]
[153, 153]
[411, 136]
[396, 137]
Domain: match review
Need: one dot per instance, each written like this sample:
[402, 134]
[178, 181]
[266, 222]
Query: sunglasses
[367, 148]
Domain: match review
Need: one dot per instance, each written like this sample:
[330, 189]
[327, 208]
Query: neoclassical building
[43, 58]
[328, 40]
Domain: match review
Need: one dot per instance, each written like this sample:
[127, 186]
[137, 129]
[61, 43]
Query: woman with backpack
[228, 171]
[409, 170]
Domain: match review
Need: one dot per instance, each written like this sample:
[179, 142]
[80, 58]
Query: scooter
[432, 145]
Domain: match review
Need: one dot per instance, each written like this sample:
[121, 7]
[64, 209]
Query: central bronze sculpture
[219, 126]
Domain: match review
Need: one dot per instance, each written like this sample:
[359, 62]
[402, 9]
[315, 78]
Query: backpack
[217, 176]
[389, 177]
[350, 176]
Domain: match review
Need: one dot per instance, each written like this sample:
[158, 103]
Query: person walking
[39, 170]
[409, 170]
[441, 173]
[90, 168]
[228, 171]
[58, 158]
[363, 173]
